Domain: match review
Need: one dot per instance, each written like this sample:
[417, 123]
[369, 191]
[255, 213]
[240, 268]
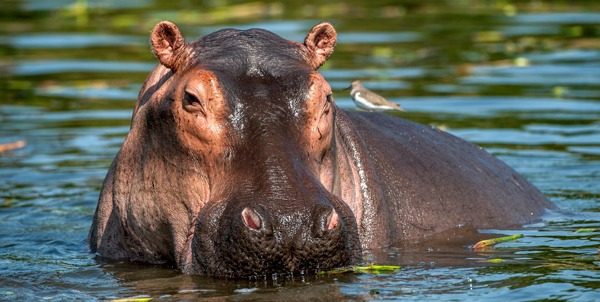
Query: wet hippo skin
[238, 163]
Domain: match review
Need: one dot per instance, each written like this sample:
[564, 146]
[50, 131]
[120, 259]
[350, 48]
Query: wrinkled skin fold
[239, 163]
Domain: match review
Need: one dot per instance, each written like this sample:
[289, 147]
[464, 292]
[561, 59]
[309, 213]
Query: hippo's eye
[327, 105]
[192, 103]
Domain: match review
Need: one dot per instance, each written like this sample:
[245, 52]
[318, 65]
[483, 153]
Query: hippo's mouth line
[185, 259]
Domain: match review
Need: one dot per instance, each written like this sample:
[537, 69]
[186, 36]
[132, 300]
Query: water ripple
[27, 68]
[70, 40]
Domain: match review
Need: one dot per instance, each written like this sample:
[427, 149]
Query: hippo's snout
[256, 241]
[327, 220]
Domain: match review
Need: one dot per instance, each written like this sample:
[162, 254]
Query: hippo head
[236, 135]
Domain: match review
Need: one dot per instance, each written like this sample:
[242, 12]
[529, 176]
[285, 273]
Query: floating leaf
[371, 268]
[495, 260]
[494, 241]
[138, 299]
[376, 268]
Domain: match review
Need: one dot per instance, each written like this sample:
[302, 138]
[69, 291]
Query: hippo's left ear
[320, 41]
[168, 44]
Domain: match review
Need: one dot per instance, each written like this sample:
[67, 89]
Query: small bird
[369, 100]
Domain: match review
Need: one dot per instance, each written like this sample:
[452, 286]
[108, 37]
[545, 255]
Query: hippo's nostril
[251, 219]
[333, 220]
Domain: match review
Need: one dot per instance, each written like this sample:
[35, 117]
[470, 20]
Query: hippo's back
[433, 181]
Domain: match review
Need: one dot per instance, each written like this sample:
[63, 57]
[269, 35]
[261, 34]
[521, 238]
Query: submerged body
[238, 163]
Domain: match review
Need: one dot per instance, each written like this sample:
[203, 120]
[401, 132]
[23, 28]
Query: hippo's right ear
[320, 41]
[168, 44]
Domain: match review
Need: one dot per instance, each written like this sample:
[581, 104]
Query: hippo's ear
[320, 41]
[168, 44]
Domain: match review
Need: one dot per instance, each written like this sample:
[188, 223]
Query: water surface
[518, 78]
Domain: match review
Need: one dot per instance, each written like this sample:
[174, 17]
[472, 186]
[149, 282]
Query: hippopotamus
[238, 163]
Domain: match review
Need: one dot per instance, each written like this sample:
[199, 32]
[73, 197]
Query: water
[520, 79]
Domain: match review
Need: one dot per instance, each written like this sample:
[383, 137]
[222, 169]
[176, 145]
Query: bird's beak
[348, 88]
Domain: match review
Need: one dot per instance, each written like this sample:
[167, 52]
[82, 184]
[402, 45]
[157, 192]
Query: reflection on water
[520, 79]
[52, 67]
[49, 41]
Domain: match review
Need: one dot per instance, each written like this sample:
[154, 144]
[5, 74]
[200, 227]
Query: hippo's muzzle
[262, 240]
